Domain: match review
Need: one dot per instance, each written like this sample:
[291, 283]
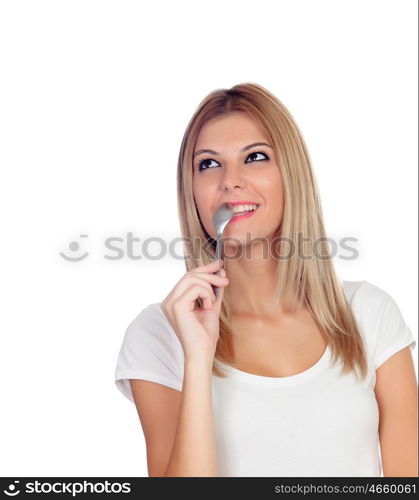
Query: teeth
[243, 208]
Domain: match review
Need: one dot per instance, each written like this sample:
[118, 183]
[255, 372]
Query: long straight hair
[311, 281]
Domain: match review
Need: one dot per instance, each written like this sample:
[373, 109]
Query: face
[232, 171]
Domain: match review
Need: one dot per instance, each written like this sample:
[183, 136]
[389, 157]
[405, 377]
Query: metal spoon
[220, 220]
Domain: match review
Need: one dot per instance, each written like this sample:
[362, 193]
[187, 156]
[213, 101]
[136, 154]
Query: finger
[215, 279]
[206, 283]
[217, 282]
[217, 289]
[208, 303]
[188, 298]
[193, 276]
[202, 282]
[215, 264]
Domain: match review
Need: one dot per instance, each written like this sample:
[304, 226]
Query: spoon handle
[218, 250]
[217, 289]
[218, 247]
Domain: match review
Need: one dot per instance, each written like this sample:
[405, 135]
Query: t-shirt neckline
[291, 379]
[262, 379]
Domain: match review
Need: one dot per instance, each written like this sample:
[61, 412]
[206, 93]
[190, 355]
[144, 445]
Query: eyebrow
[242, 151]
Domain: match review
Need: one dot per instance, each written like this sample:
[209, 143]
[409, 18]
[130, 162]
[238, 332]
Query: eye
[202, 163]
[259, 153]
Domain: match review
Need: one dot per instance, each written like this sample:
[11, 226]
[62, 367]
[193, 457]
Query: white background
[95, 98]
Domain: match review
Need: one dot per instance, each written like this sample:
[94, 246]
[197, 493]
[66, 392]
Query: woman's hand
[197, 328]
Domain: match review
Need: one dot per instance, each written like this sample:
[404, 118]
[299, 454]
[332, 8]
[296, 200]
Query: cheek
[272, 187]
[203, 197]
[198, 194]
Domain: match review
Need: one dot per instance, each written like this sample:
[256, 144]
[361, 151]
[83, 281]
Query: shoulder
[150, 318]
[368, 300]
[364, 294]
[152, 327]
[379, 318]
[150, 350]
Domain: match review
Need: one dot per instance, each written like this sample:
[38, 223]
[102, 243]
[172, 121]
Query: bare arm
[396, 391]
[178, 426]
[194, 448]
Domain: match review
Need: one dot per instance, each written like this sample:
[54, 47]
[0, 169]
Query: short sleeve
[392, 333]
[150, 351]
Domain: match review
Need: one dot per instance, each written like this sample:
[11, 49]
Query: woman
[291, 372]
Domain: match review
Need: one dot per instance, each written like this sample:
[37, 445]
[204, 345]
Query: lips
[245, 215]
[244, 212]
[232, 204]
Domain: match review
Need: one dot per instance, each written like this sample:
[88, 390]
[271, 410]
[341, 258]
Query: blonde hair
[312, 281]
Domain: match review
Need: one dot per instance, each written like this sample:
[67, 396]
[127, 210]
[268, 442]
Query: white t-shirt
[317, 423]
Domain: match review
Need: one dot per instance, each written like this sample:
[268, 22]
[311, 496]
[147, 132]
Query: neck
[253, 281]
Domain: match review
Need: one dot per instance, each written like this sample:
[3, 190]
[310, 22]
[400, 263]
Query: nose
[231, 180]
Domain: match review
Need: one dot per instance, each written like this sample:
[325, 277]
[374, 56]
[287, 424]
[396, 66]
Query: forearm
[194, 446]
